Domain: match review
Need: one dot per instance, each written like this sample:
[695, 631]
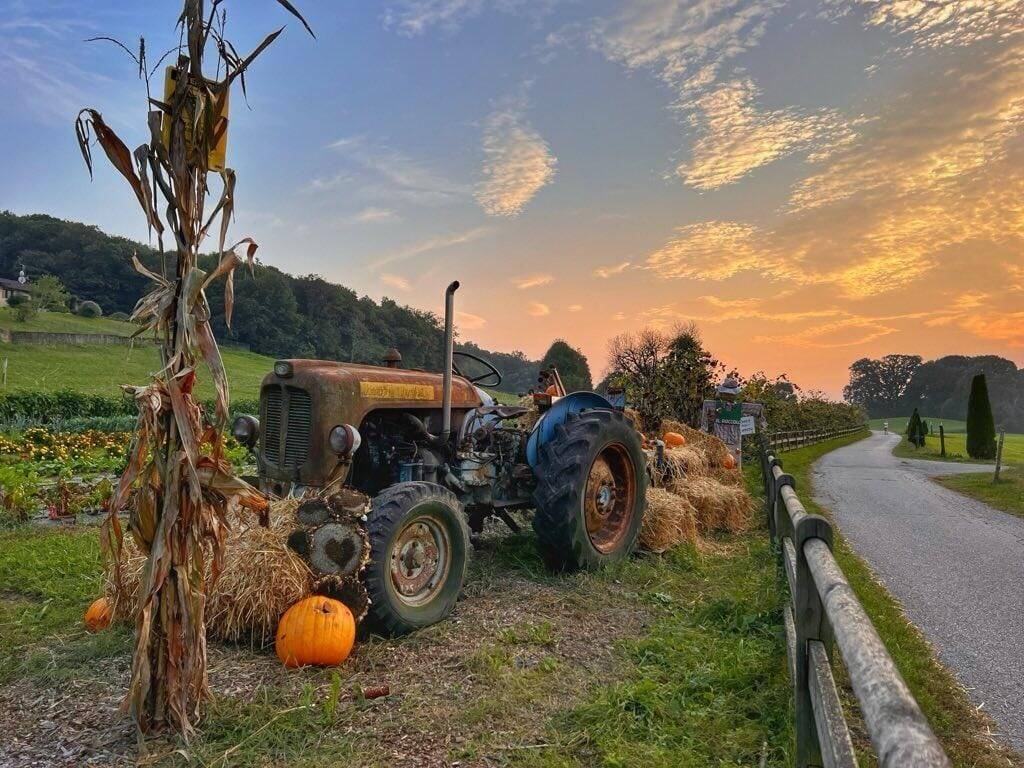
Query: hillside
[276, 314]
[99, 370]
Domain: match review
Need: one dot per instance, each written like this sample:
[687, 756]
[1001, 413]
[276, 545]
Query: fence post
[811, 624]
[783, 523]
[999, 455]
[942, 441]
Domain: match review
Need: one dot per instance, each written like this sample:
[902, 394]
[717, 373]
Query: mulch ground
[520, 646]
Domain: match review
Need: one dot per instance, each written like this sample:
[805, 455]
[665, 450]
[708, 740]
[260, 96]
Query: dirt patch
[521, 645]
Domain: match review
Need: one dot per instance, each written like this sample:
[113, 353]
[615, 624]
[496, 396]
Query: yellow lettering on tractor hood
[386, 390]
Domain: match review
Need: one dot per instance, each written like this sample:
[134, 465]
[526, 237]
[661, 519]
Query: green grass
[1007, 494]
[899, 424]
[48, 577]
[63, 322]
[102, 369]
[955, 720]
[956, 450]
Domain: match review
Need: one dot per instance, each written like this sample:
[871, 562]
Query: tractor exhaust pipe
[449, 349]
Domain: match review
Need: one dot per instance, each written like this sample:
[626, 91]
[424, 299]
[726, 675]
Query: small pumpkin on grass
[97, 616]
[316, 631]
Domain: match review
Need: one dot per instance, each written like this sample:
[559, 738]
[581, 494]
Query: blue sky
[811, 182]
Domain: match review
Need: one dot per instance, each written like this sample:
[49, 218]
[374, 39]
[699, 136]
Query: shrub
[18, 299]
[25, 311]
[981, 427]
[89, 309]
[915, 430]
[49, 293]
[30, 407]
[124, 317]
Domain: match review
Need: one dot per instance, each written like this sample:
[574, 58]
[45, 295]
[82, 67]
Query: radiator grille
[299, 427]
[272, 425]
[287, 426]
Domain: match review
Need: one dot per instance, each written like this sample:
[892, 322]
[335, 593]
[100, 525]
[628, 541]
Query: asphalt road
[955, 564]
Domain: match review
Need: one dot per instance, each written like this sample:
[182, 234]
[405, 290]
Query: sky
[809, 182]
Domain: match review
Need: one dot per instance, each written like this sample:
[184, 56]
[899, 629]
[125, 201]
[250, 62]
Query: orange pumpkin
[673, 440]
[318, 631]
[552, 390]
[97, 617]
[729, 462]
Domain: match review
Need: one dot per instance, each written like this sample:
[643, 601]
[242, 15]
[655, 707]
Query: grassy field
[63, 322]
[899, 424]
[101, 369]
[956, 450]
[664, 660]
[1007, 494]
[956, 721]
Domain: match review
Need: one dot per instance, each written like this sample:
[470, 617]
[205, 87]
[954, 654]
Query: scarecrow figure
[723, 417]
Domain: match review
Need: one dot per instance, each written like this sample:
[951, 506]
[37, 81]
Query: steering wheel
[490, 373]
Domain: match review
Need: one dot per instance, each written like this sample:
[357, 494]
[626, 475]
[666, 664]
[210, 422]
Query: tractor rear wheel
[591, 491]
[419, 550]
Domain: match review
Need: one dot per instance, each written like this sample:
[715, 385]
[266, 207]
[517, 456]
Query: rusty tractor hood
[298, 412]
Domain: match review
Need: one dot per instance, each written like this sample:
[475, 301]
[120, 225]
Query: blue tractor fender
[544, 431]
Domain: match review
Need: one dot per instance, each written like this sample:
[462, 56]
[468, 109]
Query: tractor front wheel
[419, 550]
[591, 491]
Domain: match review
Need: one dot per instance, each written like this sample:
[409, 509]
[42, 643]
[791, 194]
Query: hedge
[61, 405]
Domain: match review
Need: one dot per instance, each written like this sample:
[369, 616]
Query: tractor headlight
[344, 440]
[283, 369]
[246, 430]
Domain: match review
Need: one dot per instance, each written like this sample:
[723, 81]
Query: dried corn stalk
[182, 485]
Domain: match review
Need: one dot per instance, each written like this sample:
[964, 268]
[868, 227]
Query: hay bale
[260, 580]
[719, 507]
[670, 520]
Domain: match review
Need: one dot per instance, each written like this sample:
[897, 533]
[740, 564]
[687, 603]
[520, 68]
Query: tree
[666, 375]
[639, 357]
[49, 293]
[571, 364]
[689, 376]
[915, 430]
[981, 427]
[878, 385]
[183, 484]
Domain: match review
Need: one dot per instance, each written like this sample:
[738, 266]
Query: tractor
[394, 469]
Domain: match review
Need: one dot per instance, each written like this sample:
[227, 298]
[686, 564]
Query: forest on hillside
[895, 385]
[275, 313]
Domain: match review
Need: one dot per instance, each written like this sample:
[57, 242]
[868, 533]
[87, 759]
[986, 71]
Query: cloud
[735, 137]
[575, 307]
[373, 214]
[374, 172]
[684, 42]
[518, 161]
[469, 321]
[430, 245]
[532, 281]
[41, 79]
[1008, 327]
[931, 24]
[617, 269]
[396, 281]
[536, 309]
[416, 17]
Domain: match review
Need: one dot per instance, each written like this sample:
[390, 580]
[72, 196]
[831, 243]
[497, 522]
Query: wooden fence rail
[824, 613]
[789, 441]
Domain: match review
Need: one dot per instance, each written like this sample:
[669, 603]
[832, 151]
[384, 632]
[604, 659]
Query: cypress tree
[915, 430]
[981, 427]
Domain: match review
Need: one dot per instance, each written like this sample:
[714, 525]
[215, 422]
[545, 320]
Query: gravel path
[955, 564]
